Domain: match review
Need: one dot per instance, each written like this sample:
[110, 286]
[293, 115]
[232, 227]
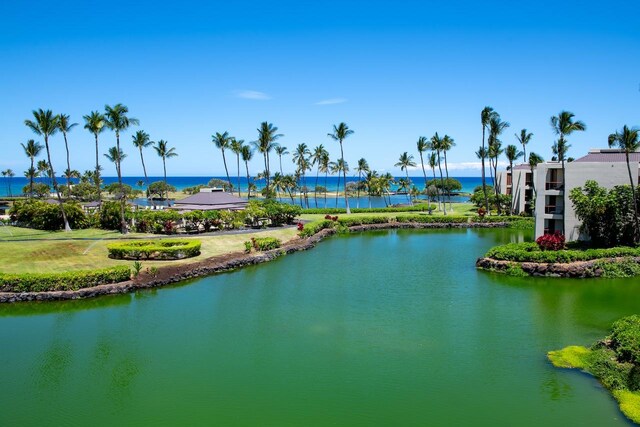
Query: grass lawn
[43, 253]
[459, 209]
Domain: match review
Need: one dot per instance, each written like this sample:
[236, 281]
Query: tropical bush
[108, 216]
[47, 216]
[265, 243]
[315, 227]
[551, 242]
[73, 280]
[167, 249]
[156, 222]
[448, 184]
[531, 252]
[159, 189]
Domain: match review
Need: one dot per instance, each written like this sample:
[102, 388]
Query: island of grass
[614, 361]
[574, 260]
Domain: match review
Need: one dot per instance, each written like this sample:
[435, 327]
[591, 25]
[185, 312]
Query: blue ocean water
[13, 186]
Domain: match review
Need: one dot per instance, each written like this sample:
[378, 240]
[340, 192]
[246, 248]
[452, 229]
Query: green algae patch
[574, 356]
[629, 402]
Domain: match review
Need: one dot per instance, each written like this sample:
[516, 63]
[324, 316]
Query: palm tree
[117, 120]
[46, 124]
[316, 159]
[116, 156]
[223, 141]
[423, 145]
[371, 181]
[524, 138]
[629, 142]
[44, 170]
[386, 181]
[446, 145]
[94, 122]
[4, 175]
[141, 140]
[436, 144]
[564, 125]
[65, 127]
[281, 150]
[496, 127]
[485, 117]
[339, 134]
[512, 154]
[236, 148]
[325, 167]
[163, 150]
[247, 155]
[9, 174]
[534, 160]
[301, 159]
[363, 167]
[267, 138]
[32, 150]
[405, 162]
[433, 162]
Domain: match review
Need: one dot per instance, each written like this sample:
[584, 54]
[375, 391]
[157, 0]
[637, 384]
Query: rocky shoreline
[172, 274]
[578, 269]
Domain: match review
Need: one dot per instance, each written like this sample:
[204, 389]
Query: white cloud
[252, 94]
[331, 101]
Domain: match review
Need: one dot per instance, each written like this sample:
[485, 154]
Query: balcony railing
[554, 185]
[553, 210]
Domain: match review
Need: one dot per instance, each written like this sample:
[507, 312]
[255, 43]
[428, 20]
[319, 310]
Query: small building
[210, 199]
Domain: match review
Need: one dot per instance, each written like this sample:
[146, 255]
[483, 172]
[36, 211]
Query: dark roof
[211, 200]
[604, 156]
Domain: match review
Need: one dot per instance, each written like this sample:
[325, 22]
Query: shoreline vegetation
[614, 361]
[167, 273]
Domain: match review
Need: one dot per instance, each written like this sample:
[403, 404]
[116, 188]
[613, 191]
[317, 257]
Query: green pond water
[375, 329]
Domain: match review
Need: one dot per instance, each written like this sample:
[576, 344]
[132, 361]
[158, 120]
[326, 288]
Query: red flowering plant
[300, 226]
[551, 242]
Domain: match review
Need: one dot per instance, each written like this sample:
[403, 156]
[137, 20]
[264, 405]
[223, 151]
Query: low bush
[530, 252]
[433, 219]
[47, 216]
[496, 219]
[315, 227]
[265, 243]
[68, 281]
[167, 249]
[362, 220]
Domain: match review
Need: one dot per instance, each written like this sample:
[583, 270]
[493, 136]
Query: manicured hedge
[314, 227]
[530, 252]
[166, 249]
[361, 220]
[265, 243]
[68, 281]
[429, 219]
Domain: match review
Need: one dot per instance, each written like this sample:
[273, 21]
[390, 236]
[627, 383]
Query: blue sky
[393, 71]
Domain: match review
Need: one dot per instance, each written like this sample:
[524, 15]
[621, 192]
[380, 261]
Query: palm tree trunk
[66, 147]
[358, 191]
[166, 190]
[280, 164]
[497, 184]
[55, 186]
[326, 174]
[315, 190]
[304, 189]
[246, 164]
[408, 189]
[484, 179]
[444, 204]
[437, 192]
[344, 173]
[97, 177]
[635, 204]
[446, 168]
[238, 157]
[512, 207]
[146, 179]
[224, 160]
[31, 179]
[564, 199]
[123, 222]
[338, 189]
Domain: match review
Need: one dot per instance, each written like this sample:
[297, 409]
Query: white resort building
[608, 167]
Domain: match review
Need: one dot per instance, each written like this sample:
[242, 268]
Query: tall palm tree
[563, 125]
[45, 123]
[496, 127]
[405, 162]
[628, 141]
[534, 160]
[433, 162]
[223, 141]
[436, 144]
[32, 150]
[44, 170]
[65, 127]
[281, 150]
[6, 183]
[371, 181]
[163, 150]
[9, 174]
[325, 167]
[512, 154]
[94, 122]
[316, 159]
[301, 159]
[524, 138]
[386, 181]
[116, 156]
[116, 119]
[267, 137]
[446, 145]
[363, 167]
[423, 145]
[236, 148]
[142, 140]
[486, 115]
[247, 155]
[339, 134]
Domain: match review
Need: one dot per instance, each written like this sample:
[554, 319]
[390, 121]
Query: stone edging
[577, 269]
[172, 274]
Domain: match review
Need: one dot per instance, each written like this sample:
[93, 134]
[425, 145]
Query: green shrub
[623, 268]
[625, 338]
[265, 243]
[315, 227]
[167, 249]
[362, 220]
[530, 252]
[601, 363]
[498, 219]
[428, 219]
[47, 216]
[74, 280]
[109, 215]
